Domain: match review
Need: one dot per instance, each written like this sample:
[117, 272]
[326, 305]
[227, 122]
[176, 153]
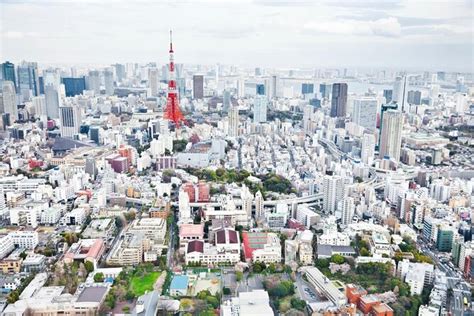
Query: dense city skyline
[395, 34]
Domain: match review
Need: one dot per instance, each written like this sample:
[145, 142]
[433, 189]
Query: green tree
[238, 276]
[298, 304]
[337, 259]
[213, 301]
[89, 266]
[99, 277]
[226, 291]
[364, 252]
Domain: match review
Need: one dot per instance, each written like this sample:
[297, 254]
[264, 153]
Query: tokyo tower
[172, 111]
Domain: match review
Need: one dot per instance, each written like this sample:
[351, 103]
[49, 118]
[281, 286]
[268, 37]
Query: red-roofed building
[382, 310]
[225, 250]
[85, 250]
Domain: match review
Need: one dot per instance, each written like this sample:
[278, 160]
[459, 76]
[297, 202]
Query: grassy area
[139, 285]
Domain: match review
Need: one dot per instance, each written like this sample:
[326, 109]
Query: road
[459, 287]
[305, 291]
[170, 252]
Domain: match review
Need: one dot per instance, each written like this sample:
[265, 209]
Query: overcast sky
[406, 34]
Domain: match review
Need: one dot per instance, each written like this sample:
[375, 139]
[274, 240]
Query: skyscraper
[8, 72]
[74, 86]
[260, 109]
[391, 135]
[9, 101]
[226, 101]
[233, 121]
[347, 210]
[364, 112]
[387, 94]
[119, 72]
[260, 89]
[70, 120]
[198, 86]
[93, 81]
[333, 192]
[153, 81]
[368, 149]
[414, 97]
[53, 101]
[307, 88]
[339, 100]
[325, 90]
[28, 83]
[275, 86]
[39, 105]
[109, 82]
[399, 94]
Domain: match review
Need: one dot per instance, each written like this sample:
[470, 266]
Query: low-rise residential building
[379, 244]
[262, 247]
[85, 250]
[416, 275]
[188, 232]
[100, 228]
[325, 286]
[253, 303]
[226, 249]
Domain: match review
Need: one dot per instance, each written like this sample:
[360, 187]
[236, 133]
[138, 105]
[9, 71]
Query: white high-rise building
[461, 102]
[241, 87]
[233, 121]
[333, 192]
[391, 135]
[364, 112]
[153, 81]
[347, 210]
[53, 101]
[9, 100]
[260, 109]
[109, 82]
[400, 91]
[184, 207]
[368, 149]
[93, 81]
[39, 105]
[259, 211]
[71, 118]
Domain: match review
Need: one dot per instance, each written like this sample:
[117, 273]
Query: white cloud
[387, 27]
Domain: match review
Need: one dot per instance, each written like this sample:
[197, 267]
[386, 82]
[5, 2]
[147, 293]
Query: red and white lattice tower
[172, 111]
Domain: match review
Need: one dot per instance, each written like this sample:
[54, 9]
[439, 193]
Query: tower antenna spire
[171, 41]
[172, 111]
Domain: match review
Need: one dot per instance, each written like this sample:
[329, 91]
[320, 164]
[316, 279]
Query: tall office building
[414, 97]
[260, 89]
[109, 82]
[307, 88]
[274, 86]
[387, 94]
[391, 135]
[400, 91]
[153, 81]
[339, 100]
[368, 149]
[325, 90]
[7, 73]
[53, 101]
[93, 81]
[364, 112]
[70, 117]
[198, 86]
[233, 121]
[74, 86]
[226, 101]
[39, 105]
[241, 87]
[347, 209]
[260, 109]
[119, 72]
[333, 192]
[28, 83]
[9, 101]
